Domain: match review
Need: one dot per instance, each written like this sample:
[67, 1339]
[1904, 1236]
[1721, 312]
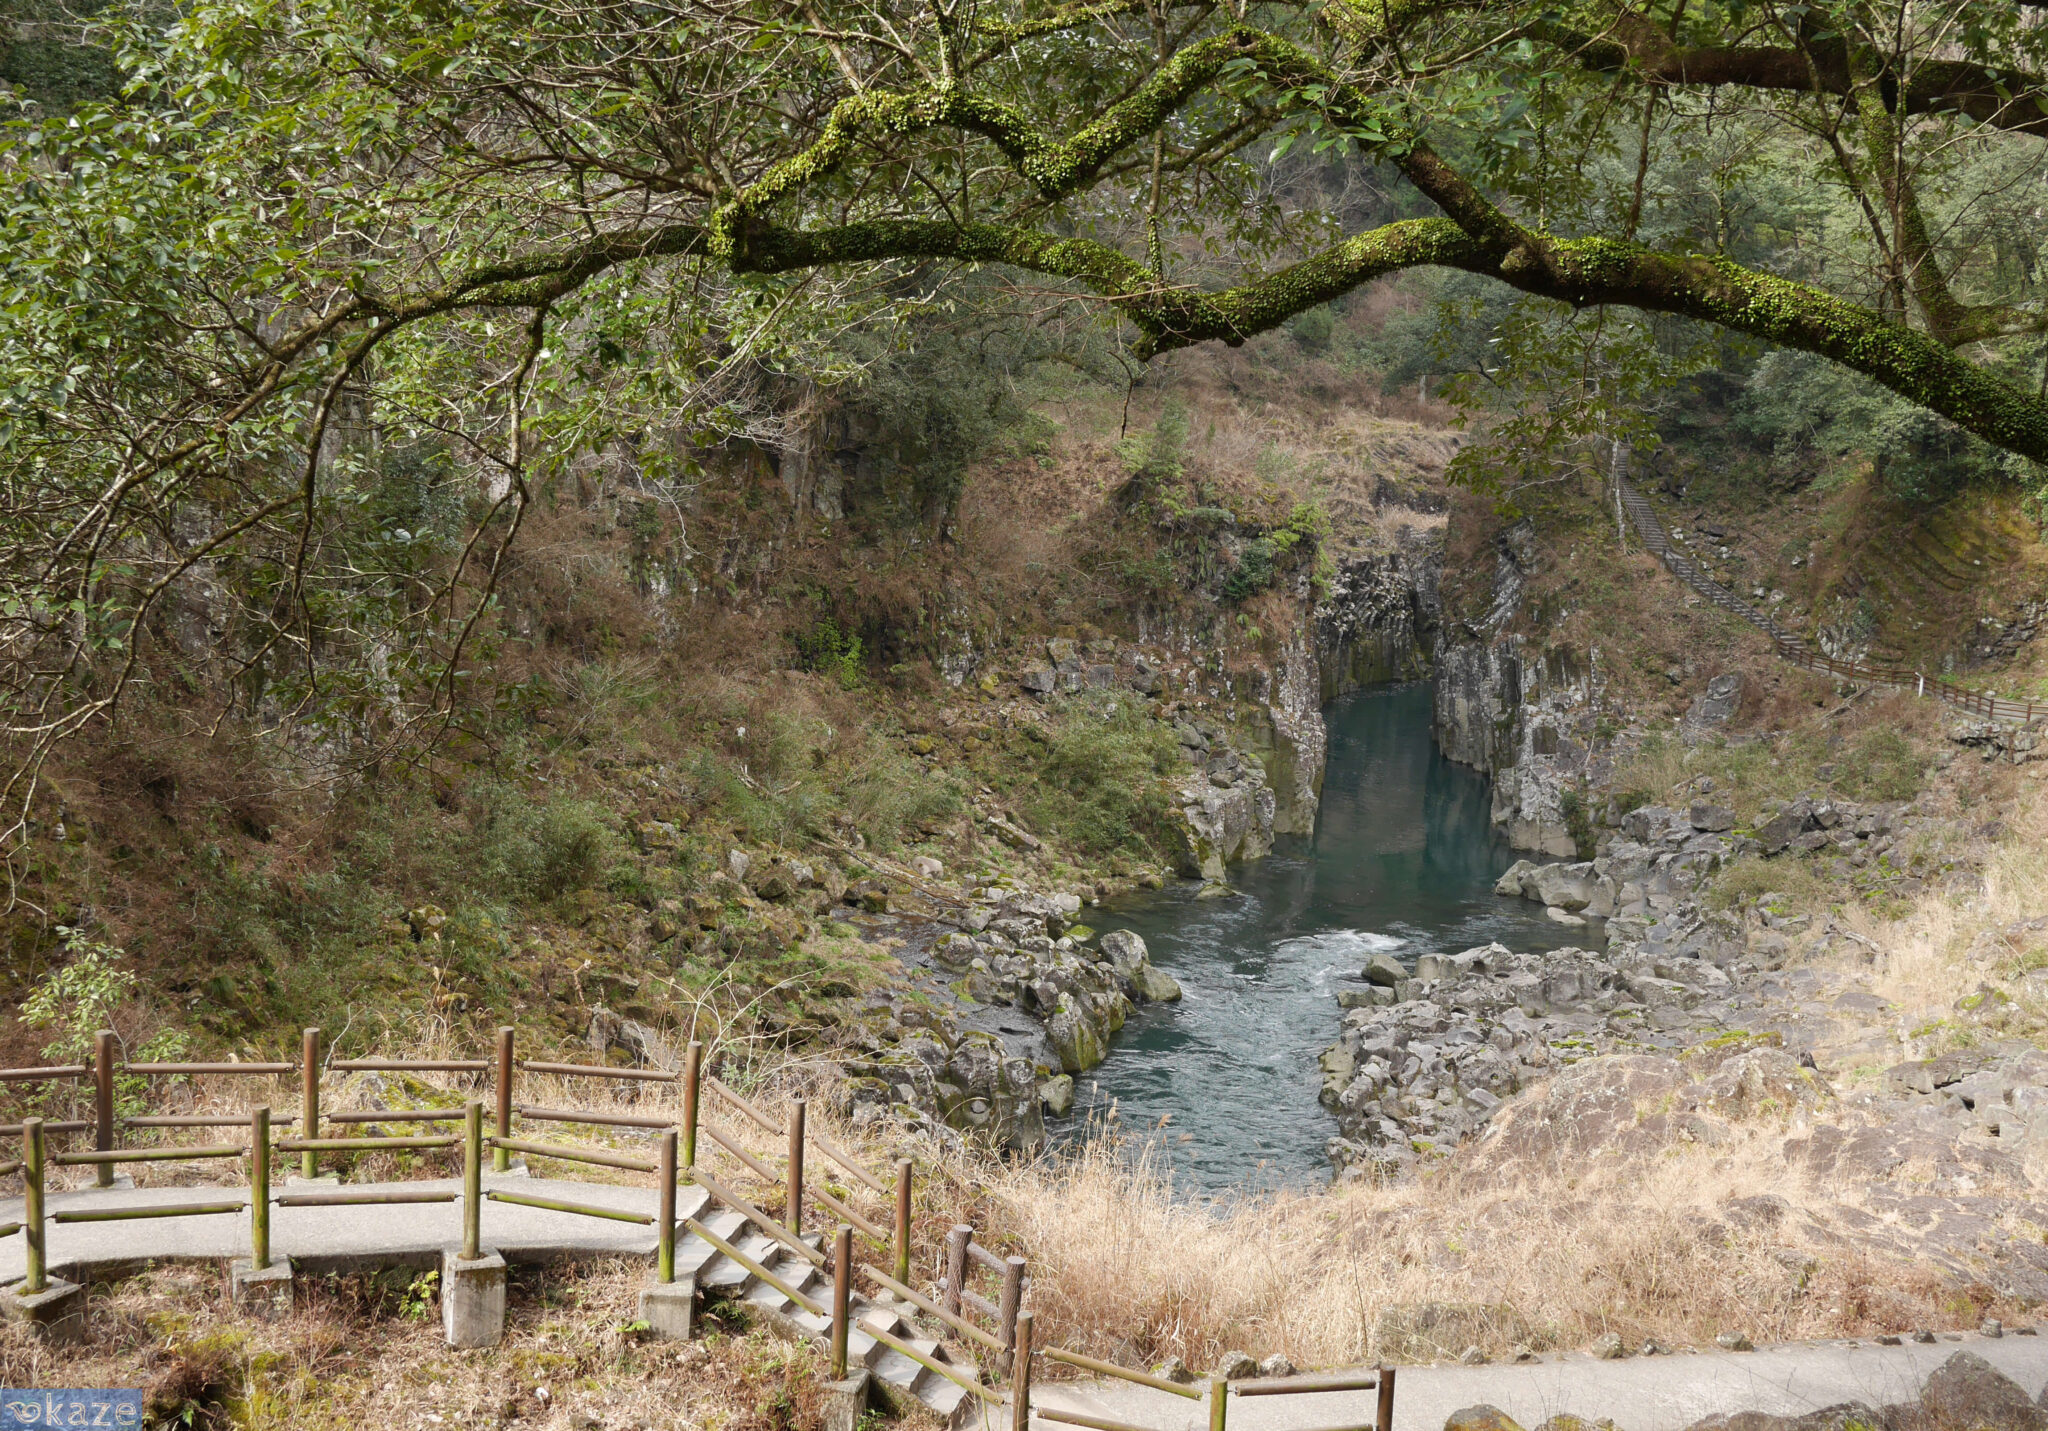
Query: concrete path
[1662, 1393]
[341, 1239]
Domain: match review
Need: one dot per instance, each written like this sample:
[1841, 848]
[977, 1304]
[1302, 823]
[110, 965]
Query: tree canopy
[313, 249]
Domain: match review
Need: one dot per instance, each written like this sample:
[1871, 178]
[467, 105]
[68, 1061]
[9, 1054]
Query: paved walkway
[1663, 1393]
[341, 1239]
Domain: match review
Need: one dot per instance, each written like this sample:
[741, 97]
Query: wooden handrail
[759, 1218]
[1793, 648]
[918, 1299]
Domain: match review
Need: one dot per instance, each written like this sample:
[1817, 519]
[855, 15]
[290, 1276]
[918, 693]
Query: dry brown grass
[1126, 1266]
[359, 1352]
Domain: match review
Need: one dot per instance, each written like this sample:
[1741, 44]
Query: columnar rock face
[1379, 620]
[1522, 716]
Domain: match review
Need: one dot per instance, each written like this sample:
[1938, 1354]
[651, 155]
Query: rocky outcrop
[1523, 716]
[966, 1083]
[1423, 1066]
[1225, 806]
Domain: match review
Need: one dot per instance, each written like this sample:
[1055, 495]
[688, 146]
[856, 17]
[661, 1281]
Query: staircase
[904, 1383]
[1793, 647]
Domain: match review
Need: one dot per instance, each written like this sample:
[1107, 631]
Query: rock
[871, 895]
[1565, 917]
[737, 863]
[1056, 1094]
[608, 1033]
[1428, 1331]
[1511, 883]
[1717, 704]
[1473, 1356]
[1236, 1366]
[1014, 836]
[1384, 970]
[928, 868]
[1734, 1341]
[1481, 1418]
[1151, 986]
[1967, 1393]
[1075, 1039]
[658, 835]
[1039, 680]
[1714, 819]
[1276, 1365]
[1991, 1327]
[1175, 1370]
[1609, 1347]
[1144, 984]
[1568, 886]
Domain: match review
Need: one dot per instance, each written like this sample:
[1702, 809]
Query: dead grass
[1126, 1266]
[359, 1352]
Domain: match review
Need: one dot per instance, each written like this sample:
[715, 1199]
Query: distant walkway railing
[1794, 648]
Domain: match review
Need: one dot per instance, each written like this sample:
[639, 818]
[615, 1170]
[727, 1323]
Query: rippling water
[1403, 861]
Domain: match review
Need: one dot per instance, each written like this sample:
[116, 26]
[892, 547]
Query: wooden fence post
[473, 1181]
[1219, 1403]
[309, 1100]
[501, 1158]
[103, 1104]
[903, 1221]
[1020, 1376]
[32, 1229]
[665, 1211]
[956, 1264]
[259, 1189]
[693, 1080]
[1385, 1420]
[1011, 1302]
[794, 1194]
[842, 1289]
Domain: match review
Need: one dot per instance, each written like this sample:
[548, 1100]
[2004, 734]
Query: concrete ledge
[472, 1298]
[55, 1315]
[667, 1308]
[264, 1293]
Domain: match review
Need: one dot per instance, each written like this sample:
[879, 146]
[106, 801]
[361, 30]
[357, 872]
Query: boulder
[1481, 1418]
[1717, 704]
[1236, 1366]
[1568, 886]
[1074, 1037]
[1967, 1393]
[1510, 884]
[1175, 1370]
[1384, 970]
[1715, 819]
[1276, 1365]
[1056, 1094]
[1150, 986]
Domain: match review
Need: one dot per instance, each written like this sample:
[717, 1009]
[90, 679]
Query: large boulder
[1968, 1393]
[1076, 1039]
[1565, 886]
[1126, 953]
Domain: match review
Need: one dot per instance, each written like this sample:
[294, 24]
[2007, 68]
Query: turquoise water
[1403, 860]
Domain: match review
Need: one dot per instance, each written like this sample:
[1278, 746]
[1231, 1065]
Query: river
[1403, 860]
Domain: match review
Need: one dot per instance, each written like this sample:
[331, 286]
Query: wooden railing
[995, 1330]
[1794, 648]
